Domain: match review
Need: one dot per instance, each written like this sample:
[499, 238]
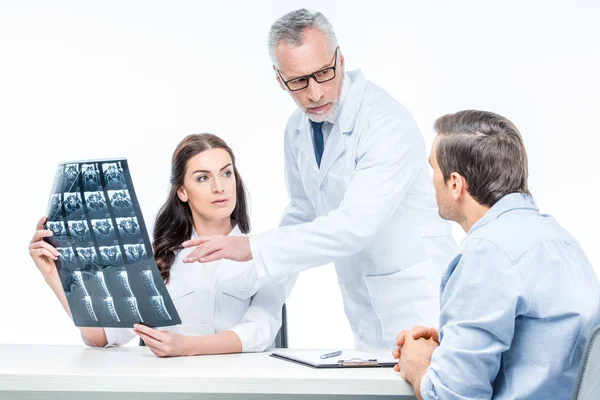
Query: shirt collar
[509, 202]
[234, 232]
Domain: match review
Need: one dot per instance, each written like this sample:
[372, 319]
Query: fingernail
[184, 244]
[49, 232]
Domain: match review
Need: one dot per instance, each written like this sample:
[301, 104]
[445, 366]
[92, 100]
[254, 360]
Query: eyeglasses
[321, 76]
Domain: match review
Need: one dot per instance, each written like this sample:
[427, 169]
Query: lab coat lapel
[344, 125]
[305, 145]
[334, 148]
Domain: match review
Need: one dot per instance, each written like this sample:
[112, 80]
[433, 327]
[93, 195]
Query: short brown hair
[487, 150]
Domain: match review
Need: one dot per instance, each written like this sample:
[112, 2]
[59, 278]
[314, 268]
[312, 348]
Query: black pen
[329, 355]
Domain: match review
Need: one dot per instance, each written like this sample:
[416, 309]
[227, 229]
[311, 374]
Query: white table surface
[46, 371]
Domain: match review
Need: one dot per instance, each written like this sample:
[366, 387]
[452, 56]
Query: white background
[106, 79]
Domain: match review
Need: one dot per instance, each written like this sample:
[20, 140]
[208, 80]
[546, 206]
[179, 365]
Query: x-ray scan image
[158, 306]
[114, 176]
[105, 263]
[77, 283]
[90, 314]
[58, 185]
[73, 205]
[71, 276]
[71, 178]
[129, 228]
[95, 203]
[66, 258]
[111, 256]
[54, 207]
[59, 236]
[125, 287]
[80, 231]
[109, 310]
[57, 228]
[134, 311]
[104, 231]
[90, 176]
[88, 257]
[100, 281]
[148, 279]
[135, 252]
[120, 201]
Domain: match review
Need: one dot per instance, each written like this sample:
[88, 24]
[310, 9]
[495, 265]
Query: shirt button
[205, 327]
[207, 292]
[243, 291]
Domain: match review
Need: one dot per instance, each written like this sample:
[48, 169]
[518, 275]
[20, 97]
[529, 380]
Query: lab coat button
[205, 327]
[207, 292]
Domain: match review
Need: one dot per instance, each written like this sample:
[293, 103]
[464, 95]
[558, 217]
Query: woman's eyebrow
[208, 172]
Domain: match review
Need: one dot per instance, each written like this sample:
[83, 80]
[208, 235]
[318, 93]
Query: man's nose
[315, 92]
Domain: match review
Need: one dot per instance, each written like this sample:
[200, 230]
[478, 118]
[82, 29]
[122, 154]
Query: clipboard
[348, 359]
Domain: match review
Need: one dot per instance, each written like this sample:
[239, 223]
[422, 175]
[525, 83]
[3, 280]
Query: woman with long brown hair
[220, 312]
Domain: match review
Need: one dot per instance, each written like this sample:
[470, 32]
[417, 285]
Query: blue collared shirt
[518, 304]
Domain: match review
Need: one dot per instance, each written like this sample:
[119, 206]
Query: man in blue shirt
[520, 300]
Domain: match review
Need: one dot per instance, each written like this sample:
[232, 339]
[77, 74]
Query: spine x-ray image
[124, 284]
[105, 258]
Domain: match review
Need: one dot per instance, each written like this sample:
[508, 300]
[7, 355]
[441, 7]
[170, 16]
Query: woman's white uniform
[214, 297]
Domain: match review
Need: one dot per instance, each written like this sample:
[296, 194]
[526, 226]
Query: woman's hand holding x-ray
[164, 343]
[42, 253]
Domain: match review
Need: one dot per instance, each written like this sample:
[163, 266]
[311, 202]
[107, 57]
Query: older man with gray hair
[520, 299]
[360, 191]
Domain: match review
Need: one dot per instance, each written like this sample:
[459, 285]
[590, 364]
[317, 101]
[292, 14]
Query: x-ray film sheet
[106, 263]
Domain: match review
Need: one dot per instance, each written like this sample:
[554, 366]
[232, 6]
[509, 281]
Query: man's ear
[458, 185]
[279, 79]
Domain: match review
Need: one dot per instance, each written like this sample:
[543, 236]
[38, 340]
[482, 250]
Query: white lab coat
[215, 297]
[370, 208]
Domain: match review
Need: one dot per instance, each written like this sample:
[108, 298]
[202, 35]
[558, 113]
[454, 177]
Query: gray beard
[323, 117]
